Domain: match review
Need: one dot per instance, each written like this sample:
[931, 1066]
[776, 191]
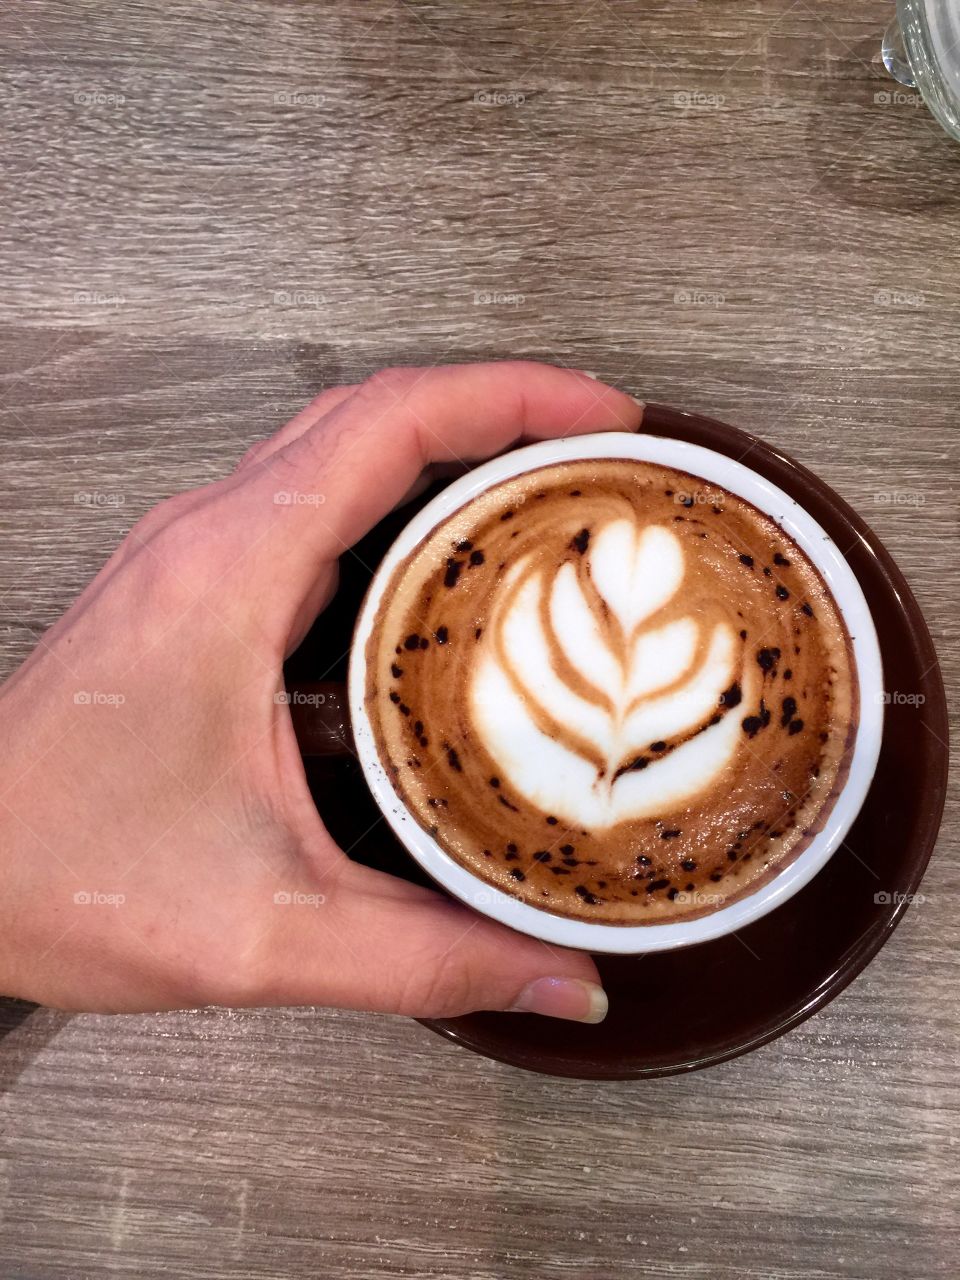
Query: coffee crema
[614, 691]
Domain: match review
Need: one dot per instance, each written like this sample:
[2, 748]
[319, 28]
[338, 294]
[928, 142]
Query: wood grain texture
[208, 213]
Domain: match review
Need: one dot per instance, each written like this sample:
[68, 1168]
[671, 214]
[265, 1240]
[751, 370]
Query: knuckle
[179, 526]
[253, 455]
[437, 990]
[177, 550]
[166, 543]
[387, 384]
[159, 519]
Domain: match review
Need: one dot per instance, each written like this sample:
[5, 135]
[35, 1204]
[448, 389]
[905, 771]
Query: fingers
[392, 947]
[305, 419]
[355, 463]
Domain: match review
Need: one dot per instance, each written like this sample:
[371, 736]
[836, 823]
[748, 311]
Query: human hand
[146, 764]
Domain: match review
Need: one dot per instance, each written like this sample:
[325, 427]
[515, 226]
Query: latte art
[613, 692]
[577, 678]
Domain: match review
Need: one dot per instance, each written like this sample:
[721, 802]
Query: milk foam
[573, 751]
[612, 691]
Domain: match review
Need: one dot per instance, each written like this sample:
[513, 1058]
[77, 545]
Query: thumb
[384, 945]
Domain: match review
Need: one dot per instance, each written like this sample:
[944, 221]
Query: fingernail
[587, 373]
[569, 998]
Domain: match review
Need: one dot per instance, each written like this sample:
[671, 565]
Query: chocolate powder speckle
[753, 724]
[731, 697]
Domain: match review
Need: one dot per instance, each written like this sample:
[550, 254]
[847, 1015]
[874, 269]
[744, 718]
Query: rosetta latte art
[612, 691]
[574, 684]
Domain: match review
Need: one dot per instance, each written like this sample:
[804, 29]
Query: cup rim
[925, 63]
[732, 475]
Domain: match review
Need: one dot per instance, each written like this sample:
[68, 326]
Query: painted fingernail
[569, 998]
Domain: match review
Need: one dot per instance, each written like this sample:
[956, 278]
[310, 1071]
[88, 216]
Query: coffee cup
[322, 726]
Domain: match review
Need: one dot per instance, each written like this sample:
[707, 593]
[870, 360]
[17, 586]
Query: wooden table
[211, 211]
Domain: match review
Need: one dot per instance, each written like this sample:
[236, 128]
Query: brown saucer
[683, 1010]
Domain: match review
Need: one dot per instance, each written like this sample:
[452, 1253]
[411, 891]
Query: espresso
[613, 691]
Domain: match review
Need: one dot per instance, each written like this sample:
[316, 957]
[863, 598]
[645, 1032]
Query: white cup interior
[738, 479]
